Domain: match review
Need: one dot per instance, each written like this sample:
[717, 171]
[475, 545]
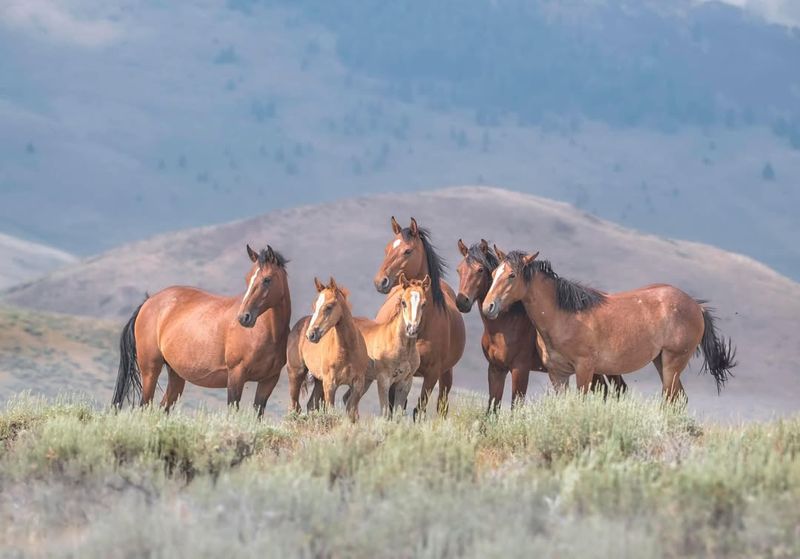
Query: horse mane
[436, 264]
[272, 256]
[571, 296]
[346, 296]
[486, 259]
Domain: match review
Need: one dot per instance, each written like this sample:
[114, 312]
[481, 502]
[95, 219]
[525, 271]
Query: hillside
[757, 307]
[24, 260]
[120, 120]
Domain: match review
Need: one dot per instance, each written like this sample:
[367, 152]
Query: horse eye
[329, 308]
[512, 276]
[267, 281]
[403, 303]
[407, 251]
[481, 269]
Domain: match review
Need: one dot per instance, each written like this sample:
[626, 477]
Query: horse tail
[719, 353]
[129, 377]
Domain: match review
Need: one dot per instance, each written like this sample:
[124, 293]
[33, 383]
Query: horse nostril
[385, 282]
[492, 307]
[245, 319]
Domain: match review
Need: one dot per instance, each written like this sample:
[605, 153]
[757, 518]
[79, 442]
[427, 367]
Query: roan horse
[585, 331]
[510, 341]
[209, 340]
[441, 337]
[330, 346]
[392, 345]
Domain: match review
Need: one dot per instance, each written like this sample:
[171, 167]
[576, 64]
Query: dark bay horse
[509, 342]
[330, 347]
[585, 331]
[441, 336]
[210, 340]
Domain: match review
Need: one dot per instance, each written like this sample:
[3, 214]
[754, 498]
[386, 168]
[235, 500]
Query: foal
[392, 345]
[329, 346]
[585, 331]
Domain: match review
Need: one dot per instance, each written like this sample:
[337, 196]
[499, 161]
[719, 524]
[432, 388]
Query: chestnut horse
[210, 340]
[392, 345]
[441, 338]
[330, 347]
[510, 341]
[585, 331]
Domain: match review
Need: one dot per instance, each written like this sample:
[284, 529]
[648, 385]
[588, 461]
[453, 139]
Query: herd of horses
[534, 320]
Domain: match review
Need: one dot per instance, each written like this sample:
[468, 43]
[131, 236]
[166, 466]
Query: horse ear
[252, 254]
[270, 254]
[484, 246]
[462, 248]
[500, 254]
[426, 283]
[414, 227]
[530, 258]
[333, 285]
[403, 280]
[396, 226]
[319, 285]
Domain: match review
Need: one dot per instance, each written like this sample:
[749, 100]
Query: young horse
[392, 345]
[510, 341]
[441, 337]
[330, 346]
[209, 340]
[585, 331]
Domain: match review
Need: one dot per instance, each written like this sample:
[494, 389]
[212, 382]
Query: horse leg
[357, 389]
[599, 385]
[235, 386]
[296, 378]
[264, 391]
[383, 394]
[151, 370]
[346, 397]
[497, 381]
[445, 384]
[175, 386]
[560, 381]
[672, 365]
[329, 392]
[584, 373]
[620, 386]
[315, 399]
[401, 390]
[428, 382]
[519, 385]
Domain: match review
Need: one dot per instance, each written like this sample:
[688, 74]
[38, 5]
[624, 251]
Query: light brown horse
[441, 338]
[209, 340]
[585, 331]
[392, 345]
[330, 347]
[510, 341]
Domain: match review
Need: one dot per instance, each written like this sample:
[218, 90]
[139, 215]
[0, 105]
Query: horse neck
[540, 303]
[346, 330]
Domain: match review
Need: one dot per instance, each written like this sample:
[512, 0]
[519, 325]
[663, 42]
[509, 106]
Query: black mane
[273, 256]
[486, 259]
[571, 296]
[436, 265]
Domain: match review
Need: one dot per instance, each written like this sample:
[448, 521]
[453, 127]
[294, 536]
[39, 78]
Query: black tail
[719, 354]
[129, 377]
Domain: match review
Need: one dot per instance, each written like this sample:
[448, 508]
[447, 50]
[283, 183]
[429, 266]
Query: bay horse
[392, 345]
[441, 337]
[509, 342]
[585, 331]
[210, 340]
[330, 347]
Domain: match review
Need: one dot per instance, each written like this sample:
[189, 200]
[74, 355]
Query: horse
[510, 341]
[441, 337]
[586, 331]
[210, 340]
[392, 345]
[329, 345]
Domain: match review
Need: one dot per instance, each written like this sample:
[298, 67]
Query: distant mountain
[757, 307]
[119, 120]
[22, 260]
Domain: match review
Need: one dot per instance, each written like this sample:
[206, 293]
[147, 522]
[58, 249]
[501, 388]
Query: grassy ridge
[561, 477]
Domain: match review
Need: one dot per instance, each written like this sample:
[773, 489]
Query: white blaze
[396, 243]
[414, 306]
[497, 274]
[250, 286]
[320, 301]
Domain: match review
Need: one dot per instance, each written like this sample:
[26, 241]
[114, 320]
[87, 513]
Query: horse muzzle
[247, 319]
[314, 335]
[412, 330]
[464, 303]
[491, 310]
[383, 285]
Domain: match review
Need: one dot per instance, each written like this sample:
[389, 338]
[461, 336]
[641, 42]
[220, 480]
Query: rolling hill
[24, 260]
[757, 307]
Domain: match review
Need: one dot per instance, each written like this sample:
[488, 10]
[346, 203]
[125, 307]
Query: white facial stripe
[497, 274]
[414, 306]
[320, 301]
[396, 243]
[250, 286]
